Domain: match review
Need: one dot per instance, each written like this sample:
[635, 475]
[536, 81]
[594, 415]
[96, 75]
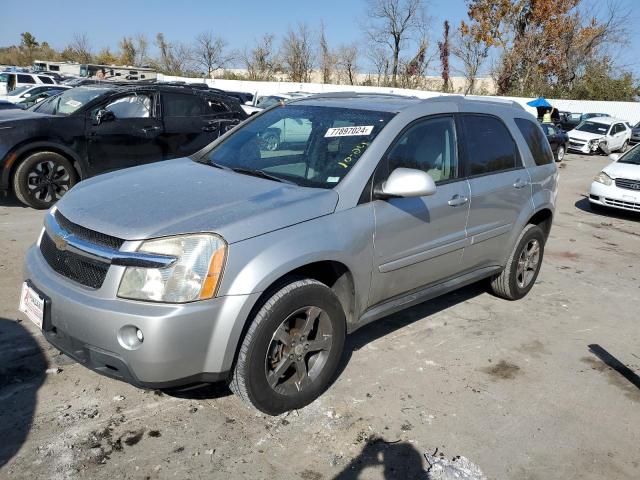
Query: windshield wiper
[261, 174]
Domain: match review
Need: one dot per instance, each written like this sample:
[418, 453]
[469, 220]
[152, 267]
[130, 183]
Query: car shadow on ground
[606, 212]
[398, 459]
[23, 368]
[356, 340]
[10, 201]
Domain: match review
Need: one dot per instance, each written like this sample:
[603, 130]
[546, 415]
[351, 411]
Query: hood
[12, 115]
[623, 170]
[182, 196]
[586, 136]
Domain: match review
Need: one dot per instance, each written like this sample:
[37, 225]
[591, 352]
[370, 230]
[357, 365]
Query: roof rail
[476, 98]
[353, 94]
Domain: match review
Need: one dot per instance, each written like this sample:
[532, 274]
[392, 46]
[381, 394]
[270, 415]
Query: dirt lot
[513, 386]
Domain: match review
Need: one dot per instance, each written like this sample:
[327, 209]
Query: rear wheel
[523, 265]
[43, 178]
[560, 153]
[270, 142]
[292, 348]
[624, 147]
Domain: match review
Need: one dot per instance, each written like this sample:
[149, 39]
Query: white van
[11, 80]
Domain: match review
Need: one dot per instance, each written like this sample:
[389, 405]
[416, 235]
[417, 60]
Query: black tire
[507, 284]
[42, 178]
[271, 142]
[250, 378]
[560, 153]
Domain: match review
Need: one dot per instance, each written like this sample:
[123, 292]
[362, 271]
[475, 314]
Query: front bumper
[586, 148]
[183, 343]
[615, 197]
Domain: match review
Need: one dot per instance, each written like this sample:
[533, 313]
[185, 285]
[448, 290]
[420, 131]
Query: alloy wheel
[48, 181]
[528, 263]
[298, 350]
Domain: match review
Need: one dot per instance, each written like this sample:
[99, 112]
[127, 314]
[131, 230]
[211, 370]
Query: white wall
[629, 111]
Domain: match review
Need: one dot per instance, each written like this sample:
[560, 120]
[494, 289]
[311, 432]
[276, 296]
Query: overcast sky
[240, 22]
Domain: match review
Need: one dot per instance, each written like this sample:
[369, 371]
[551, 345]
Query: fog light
[130, 337]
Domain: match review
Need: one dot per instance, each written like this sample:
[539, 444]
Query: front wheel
[270, 142]
[560, 153]
[523, 265]
[43, 178]
[292, 348]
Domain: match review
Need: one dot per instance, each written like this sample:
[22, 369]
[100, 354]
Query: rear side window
[46, 80]
[182, 105]
[25, 79]
[537, 142]
[490, 147]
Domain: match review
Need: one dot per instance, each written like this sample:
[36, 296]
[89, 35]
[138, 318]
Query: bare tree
[142, 50]
[209, 52]
[347, 62]
[380, 60]
[327, 57]
[80, 48]
[128, 51]
[413, 72]
[392, 23]
[472, 54]
[174, 58]
[297, 54]
[261, 61]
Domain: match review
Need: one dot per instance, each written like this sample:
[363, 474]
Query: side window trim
[519, 164]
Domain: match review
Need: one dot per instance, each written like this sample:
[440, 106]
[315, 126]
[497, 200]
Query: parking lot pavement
[541, 388]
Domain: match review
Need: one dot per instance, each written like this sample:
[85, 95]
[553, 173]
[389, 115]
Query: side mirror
[408, 182]
[27, 95]
[104, 116]
[614, 157]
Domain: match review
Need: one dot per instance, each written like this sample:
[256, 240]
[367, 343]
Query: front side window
[131, 106]
[632, 156]
[311, 146]
[182, 105]
[490, 147]
[428, 145]
[538, 144]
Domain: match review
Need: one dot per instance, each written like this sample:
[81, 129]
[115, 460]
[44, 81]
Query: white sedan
[600, 133]
[618, 184]
[22, 93]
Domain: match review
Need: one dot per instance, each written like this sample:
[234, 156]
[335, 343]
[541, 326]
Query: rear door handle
[150, 129]
[457, 200]
[520, 184]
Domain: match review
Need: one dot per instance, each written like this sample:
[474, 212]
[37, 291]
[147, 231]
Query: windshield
[307, 145]
[593, 127]
[632, 156]
[71, 100]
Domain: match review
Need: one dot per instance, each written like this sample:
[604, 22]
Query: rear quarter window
[536, 140]
[46, 80]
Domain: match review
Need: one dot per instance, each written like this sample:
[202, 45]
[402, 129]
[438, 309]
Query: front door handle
[150, 129]
[457, 200]
[520, 183]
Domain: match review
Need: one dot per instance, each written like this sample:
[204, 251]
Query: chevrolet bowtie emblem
[61, 241]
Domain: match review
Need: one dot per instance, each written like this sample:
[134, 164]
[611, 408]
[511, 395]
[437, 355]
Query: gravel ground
[513, 386]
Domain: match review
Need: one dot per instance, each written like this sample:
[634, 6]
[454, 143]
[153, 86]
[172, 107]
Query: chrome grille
[628, 184]
[622, 204]
[73, 266]
[86, 234]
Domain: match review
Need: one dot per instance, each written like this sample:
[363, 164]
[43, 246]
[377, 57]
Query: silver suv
[250, 264]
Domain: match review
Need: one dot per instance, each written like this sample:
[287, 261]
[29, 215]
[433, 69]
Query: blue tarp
[539, 102]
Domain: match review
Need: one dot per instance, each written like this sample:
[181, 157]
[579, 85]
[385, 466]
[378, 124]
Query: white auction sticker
[349, 131]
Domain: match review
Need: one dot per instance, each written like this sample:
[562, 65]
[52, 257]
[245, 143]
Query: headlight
[195, 274]
[603, 178]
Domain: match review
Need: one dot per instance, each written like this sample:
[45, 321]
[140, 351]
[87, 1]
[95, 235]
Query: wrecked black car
[94, 129]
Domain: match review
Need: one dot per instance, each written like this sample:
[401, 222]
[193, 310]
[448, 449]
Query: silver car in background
[249, 264]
